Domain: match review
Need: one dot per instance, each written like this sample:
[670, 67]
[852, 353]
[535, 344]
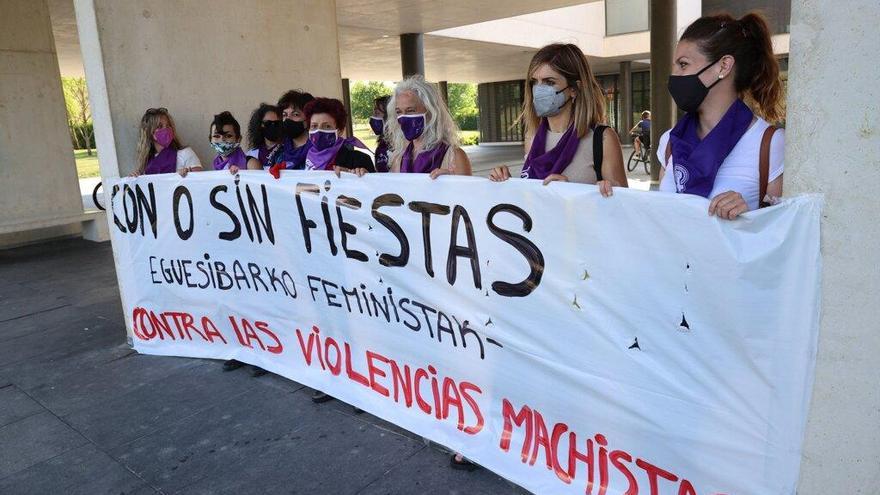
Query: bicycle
[644, 157]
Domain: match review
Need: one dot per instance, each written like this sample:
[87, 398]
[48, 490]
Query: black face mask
[293, 128]
[689, 91]
[272, 130]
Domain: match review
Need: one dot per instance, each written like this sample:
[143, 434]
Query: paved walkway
[80, 412]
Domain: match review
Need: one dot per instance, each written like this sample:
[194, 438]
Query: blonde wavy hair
[588, 107]
[439, 126]
[149, 123]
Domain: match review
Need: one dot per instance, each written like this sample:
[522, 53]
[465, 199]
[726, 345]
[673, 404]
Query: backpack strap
[764, 165]
[598, 131]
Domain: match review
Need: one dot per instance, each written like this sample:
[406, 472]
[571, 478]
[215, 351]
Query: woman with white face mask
[563, 112]
[423, 136]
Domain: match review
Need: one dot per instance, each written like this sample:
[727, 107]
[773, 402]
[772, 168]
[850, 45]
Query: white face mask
[547, 100]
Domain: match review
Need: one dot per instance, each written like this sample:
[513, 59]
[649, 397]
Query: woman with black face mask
[264, 136]
[721, 149]
[295, 142]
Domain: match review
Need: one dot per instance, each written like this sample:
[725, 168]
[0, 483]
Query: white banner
[569, 342]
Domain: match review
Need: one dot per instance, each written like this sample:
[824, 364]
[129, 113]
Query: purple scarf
[293, 158]
[540, 162]
[163, 163]
[237, 158]
[695, 162]
[425, 162]
[265, 154]
[381, 155]
[325, 159]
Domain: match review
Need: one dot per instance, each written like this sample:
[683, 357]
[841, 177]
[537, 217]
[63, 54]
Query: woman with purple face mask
[377, 124]
[329, 150]
[422, 134]
[159, 151]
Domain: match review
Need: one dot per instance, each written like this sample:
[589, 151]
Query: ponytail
[748, 40]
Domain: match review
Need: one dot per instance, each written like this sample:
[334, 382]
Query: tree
[463, 104]
[79, 113]
[362, 95]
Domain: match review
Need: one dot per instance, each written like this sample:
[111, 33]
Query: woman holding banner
[720, 149]
[159, 150]
[325, 118]
[295, 142]
[563, 111]
[264, 136]
[422, 134]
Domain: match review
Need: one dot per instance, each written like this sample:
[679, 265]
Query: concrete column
[412, 54]
[38, 181]
[625, 88]
[346, 100]
[165, 52]
[832, 138]
[444, 92]
[663, 38]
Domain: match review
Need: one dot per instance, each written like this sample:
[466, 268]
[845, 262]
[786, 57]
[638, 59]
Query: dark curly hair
[295, 98]
[330, 106]
[381, 102]
[223, 119]
[255, 125]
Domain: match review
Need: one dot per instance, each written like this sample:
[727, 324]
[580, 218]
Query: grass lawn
[86, 166]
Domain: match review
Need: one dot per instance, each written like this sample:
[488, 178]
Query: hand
[183, 171]
[233, 169]
[437, 172]
[134, 173]
[499, 174]
[357, 171]
[728, 205]
[555, 178]
[605, 188]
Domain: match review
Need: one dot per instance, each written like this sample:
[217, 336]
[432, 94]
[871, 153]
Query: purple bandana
[264, 154]
[695, 162]
[325, 159]
[381, 155]
[425, 162]
[293, 158]
[237, 158]
[163, 163]
[542, 162]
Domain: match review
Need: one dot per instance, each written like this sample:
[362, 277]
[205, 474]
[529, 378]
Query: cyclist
[642, 133]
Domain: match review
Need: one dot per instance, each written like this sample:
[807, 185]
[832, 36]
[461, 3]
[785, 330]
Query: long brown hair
[570, 61]
[149, 122]
[748, 40]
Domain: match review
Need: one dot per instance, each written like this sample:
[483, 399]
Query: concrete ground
[81, 413]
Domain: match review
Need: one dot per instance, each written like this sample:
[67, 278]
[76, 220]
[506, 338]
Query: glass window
[626, 16]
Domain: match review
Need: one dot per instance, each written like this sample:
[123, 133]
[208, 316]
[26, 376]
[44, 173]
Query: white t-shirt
[186, 157]
[253, 153]
[739, 171]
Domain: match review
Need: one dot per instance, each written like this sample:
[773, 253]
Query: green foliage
[463, 105]
[469, 138]
[79, 114]
[362, 95]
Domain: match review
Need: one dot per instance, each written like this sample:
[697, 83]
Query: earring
[720, 76]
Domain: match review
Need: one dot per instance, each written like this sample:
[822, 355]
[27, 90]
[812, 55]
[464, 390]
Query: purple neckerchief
[263, 155]
[381, 155]
[425, 162]
[542, 162]
[237, 158]
[165, 162]
[325, 159]
[293, 158]
[696, 162]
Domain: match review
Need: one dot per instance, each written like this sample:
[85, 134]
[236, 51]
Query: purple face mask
[377, 124]
[163, 136]
[412, 125]
[322, 139]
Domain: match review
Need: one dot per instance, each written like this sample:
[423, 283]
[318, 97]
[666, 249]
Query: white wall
[38, 182]
[833, 138]
[198, 59]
